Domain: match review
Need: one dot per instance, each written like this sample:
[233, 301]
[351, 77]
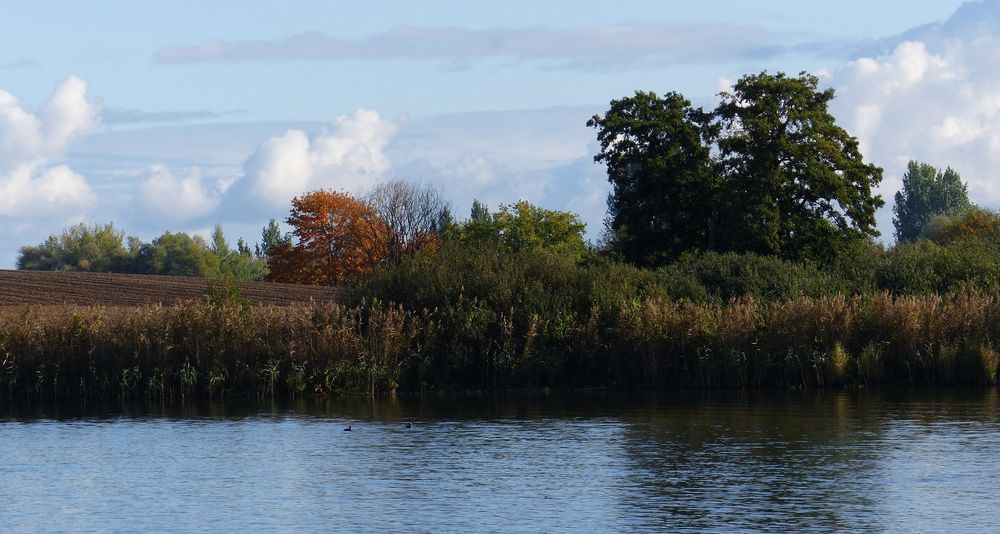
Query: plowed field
[46, 287]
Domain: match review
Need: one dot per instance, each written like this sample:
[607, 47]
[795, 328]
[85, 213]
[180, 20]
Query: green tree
[523, 226]
[796, 184]
[179, 255]
[768, 171]
[927, 193]
[665, 197]
[271, 238]
[98, 247]
[220, 247]
[237, 264]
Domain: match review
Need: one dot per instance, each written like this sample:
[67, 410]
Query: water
[894, 461]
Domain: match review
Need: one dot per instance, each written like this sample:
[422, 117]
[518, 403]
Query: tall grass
[230, 350]
[207, 350]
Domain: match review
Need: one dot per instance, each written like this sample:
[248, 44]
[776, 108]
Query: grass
[199, 349]
[223, 349]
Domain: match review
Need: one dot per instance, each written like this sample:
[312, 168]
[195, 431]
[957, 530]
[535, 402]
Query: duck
[409, 425]
[348, 429]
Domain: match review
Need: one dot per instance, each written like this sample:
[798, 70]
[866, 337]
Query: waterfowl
[409, 425]
[348, 429]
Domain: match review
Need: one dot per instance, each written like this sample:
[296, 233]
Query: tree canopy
[973, 224]
[768, 171]
[98, 247]
[239, 264]
[524, 226]
[178, 254]
[336, 236]
[798, 183]
[665, 190]
[102, 248]
[927, 193]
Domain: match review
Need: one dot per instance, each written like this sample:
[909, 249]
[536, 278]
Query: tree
[271, 238]
[665, 192]
[178, 254]
[98, 248]
[523, 226]
[796, 184]
[768, 171]
[220, 247]
[337, 236]
[410, 217]
[237, 264]
[927, 193]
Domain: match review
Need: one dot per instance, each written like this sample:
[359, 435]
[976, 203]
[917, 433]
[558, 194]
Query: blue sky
[112, 45]
[177, 115]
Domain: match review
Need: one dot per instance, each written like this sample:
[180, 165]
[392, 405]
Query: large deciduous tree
[927, 193]
[768, 171]
[664, 199]
[797, 183]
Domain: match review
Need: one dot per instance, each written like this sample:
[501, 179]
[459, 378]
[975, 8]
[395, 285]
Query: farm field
[20, 288]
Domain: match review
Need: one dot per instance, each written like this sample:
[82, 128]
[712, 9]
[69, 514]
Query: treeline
[103, 248]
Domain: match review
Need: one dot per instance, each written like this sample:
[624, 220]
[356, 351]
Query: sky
[179, 115]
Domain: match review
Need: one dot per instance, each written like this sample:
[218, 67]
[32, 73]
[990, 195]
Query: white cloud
[28, 191]
[349, 154]
[68, 115]
[29, 141]
[931, 94]
[941, 106]
[723, 85]
[179, 198]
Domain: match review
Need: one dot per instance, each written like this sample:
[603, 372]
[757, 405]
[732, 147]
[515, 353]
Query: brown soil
[19, 288]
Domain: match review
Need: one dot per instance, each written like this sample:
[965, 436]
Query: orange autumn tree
[338, 236]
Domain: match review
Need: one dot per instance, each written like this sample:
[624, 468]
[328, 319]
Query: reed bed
[201, 349]
[196, 349]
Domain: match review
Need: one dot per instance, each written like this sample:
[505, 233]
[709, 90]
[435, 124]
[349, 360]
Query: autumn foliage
[338, 236]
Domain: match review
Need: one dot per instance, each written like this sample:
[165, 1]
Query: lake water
[890, 460]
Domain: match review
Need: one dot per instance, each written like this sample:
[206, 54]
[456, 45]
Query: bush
[731, 275]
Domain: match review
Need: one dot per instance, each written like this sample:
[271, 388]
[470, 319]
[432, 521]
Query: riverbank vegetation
[739, 251]
[229, 350]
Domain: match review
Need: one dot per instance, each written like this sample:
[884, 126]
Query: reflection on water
[912, 460]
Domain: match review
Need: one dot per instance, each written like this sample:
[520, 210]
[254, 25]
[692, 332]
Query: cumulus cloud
[933, 95]
[348, 154]
[27, 190]
[942, 107]
[596, 47]
[179, 198]
[29, 141]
